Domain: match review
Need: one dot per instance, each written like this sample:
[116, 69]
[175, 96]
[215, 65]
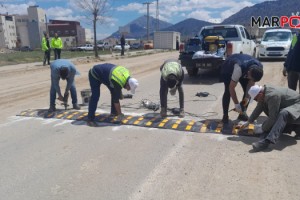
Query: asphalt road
[53, 159]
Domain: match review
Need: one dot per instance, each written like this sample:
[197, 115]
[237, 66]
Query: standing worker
[292, 64]
[115, 78]
[122, 45]
[57, 45]
[46, 48]
[172, 76]
[65, 70]
[282, 106]
[244, 69]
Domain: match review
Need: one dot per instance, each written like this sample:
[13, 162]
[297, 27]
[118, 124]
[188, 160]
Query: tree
[96, 10]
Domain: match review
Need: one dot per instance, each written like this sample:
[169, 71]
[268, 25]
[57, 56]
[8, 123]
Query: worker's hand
[66, 96]
[61, 98]
[258, 129]
[238, 108]
[244, 102]
[173, 91]
[242, 124]
[284, 71]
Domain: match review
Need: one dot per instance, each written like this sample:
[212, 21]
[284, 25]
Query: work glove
[284, 71]
[238, 108]
[258, 129]
[242, 124]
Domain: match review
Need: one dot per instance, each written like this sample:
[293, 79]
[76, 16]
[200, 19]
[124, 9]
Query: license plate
[203, 64]
[274, 53]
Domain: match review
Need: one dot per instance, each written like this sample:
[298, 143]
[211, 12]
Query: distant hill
[138, 27]
[188, 28]
[267, 8]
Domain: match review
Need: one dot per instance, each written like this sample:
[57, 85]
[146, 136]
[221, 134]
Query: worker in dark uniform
[115, 78]
[171, 78]
[244, 69]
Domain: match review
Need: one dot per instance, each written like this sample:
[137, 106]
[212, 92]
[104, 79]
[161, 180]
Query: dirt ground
[27, 85]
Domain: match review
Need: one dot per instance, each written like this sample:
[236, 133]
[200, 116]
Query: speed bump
[204, 126]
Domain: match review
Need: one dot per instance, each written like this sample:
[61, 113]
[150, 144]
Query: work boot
[163, 112]
[181, 113]
[76, 106]
[243, 117]
[260, 145]
[52, 108]
[225, 119]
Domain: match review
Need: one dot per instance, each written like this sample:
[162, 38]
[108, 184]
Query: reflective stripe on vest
[120, 75]
[295, 38]
[171, 68]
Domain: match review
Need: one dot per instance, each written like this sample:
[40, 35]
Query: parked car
[275, 43]
[136, 46]
[25, 48]
[87, 47]
[104, 46]
[118, 47]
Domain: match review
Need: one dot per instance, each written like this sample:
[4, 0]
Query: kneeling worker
[172, 76]
[65, 70]
[115, 78]
[239, 68]
[282, 106]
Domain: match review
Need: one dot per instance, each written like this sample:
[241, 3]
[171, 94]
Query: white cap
[133, 83]
[253, 92]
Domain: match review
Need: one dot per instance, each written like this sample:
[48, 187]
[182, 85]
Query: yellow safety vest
[171, 68]
[120, 75]
[294, 40]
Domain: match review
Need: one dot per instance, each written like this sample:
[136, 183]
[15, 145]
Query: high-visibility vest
[295, 38]
[171, 68]
[120, 75]
[56, 43]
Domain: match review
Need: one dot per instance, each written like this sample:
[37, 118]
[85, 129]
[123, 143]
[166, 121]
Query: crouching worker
[65, 70]
[115, 78]
[282, 106]
[172, 76]
[243, 69]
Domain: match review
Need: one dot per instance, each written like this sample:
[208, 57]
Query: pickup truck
[87, 47]
[104, 46]
[217, 42]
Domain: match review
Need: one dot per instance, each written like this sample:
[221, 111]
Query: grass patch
[38, 56]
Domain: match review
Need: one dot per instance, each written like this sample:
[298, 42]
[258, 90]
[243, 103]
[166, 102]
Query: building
[71, 33]
[22, 30]
[36, 25]
[89, 37]
[8, 33]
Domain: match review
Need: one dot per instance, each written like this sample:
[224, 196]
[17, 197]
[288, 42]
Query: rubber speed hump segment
[204, 126]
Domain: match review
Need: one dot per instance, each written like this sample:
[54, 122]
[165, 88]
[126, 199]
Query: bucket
[86, 96]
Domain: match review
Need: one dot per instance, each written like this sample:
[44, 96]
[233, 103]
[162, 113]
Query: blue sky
[124, 11]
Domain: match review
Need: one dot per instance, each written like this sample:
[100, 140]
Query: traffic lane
[58, 159]
[55, 159]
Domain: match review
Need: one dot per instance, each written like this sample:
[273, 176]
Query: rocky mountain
[267, 8]
[138, 27]
[190, 27]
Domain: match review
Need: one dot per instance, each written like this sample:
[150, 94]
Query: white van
[275, 43]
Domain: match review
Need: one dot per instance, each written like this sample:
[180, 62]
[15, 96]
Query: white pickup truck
[87, 47]
[218, 42]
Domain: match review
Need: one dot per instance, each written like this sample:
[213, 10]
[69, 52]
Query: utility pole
[157, 16]
[147, 3]
[46, 23]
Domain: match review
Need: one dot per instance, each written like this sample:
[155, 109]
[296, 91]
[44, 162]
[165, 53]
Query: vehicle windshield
[277, 36]
[221, 31]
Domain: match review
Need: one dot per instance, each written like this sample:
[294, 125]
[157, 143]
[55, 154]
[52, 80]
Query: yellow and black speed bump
[205, 126]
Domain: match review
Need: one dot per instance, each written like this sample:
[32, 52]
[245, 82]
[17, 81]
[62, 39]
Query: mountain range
[190, 27]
